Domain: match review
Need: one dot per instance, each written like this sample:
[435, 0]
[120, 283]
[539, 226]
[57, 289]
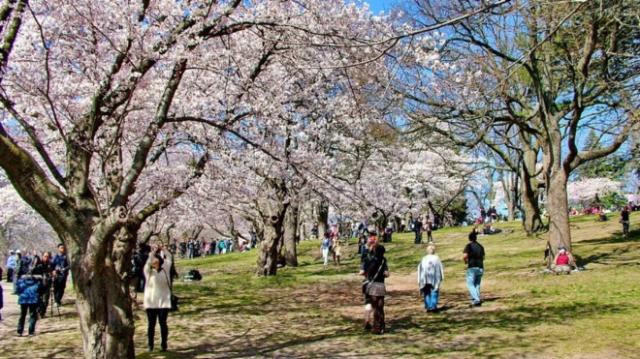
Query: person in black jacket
[417, 228]
[474, 258]
[44, 268]
[624, 219]
[374, 268]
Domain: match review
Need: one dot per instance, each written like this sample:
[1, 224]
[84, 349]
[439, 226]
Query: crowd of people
[35, 276]
[194, 248]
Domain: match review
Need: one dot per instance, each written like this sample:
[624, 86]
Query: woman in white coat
[157, 293]
[430, 277]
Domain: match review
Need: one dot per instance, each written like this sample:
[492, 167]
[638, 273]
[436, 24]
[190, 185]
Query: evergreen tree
[612, 166]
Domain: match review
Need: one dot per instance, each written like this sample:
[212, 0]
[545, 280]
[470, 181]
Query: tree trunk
[291, 235]
[274, 208]
[531, 216]
[323, 218]
[102, 298]
[558, 208]
[510, 187]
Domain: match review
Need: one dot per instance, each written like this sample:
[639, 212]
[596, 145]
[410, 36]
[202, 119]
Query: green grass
[312, 312]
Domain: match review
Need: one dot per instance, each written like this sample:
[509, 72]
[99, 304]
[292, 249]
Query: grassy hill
[312, 312]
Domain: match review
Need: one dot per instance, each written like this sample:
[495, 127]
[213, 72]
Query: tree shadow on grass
[241, 346]
[616, 238]
[511, 319]
[612, 256]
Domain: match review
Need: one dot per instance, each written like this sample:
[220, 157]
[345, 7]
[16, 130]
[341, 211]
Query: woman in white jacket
[430, 277]
[157, 293]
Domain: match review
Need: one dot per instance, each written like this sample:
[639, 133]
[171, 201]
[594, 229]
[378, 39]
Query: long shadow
[617, 237]
[439, 327]
[241, 346]
[606, 257]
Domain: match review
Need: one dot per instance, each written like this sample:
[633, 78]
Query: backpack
[193, 274]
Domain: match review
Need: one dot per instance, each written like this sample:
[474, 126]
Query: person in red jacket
[563, 262]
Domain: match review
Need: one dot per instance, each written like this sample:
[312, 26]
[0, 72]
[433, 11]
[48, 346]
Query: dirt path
[61, 332]
[10, 312]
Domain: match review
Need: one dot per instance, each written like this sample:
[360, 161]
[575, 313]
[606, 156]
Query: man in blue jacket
[28, 289]
[60, 266]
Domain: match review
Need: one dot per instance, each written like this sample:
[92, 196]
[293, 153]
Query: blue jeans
[431, 300]
[474, 277]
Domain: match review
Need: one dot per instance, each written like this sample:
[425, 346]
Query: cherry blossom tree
[586, 190]
[21, 227]
[94, 94]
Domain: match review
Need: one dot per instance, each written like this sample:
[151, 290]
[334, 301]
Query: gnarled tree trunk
[531, 216]
[323, 218]
[273, 209]
[291, 237]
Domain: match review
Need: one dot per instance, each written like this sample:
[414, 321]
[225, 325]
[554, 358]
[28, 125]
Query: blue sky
[379, 5]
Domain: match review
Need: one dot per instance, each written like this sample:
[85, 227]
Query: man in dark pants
[11, 265]
[44, 268]
[60, 272]
[28, 288]
[417, 227]
[624, 219]
[1, 303]
[474, 258]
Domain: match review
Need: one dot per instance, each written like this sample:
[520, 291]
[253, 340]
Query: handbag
[376, 289]
[367, 282]
[174, 303]
[174, 298]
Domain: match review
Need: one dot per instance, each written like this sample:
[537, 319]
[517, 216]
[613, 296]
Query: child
[28, 289]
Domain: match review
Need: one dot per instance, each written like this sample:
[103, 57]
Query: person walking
[28, 289]
[417, 228]
[624, 219]
[429, 229]
[16, 270]
[430, 276]
[474, 257]
[157, 294]
[325, 246]
[60, 272]
[375, 269]
[1, 302]
[12, 262]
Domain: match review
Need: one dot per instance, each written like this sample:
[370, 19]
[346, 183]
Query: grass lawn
[312, 312]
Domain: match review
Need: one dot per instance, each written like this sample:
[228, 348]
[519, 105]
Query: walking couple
[431, 273]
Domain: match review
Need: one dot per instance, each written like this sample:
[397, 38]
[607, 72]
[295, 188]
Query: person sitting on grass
[563, 262]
